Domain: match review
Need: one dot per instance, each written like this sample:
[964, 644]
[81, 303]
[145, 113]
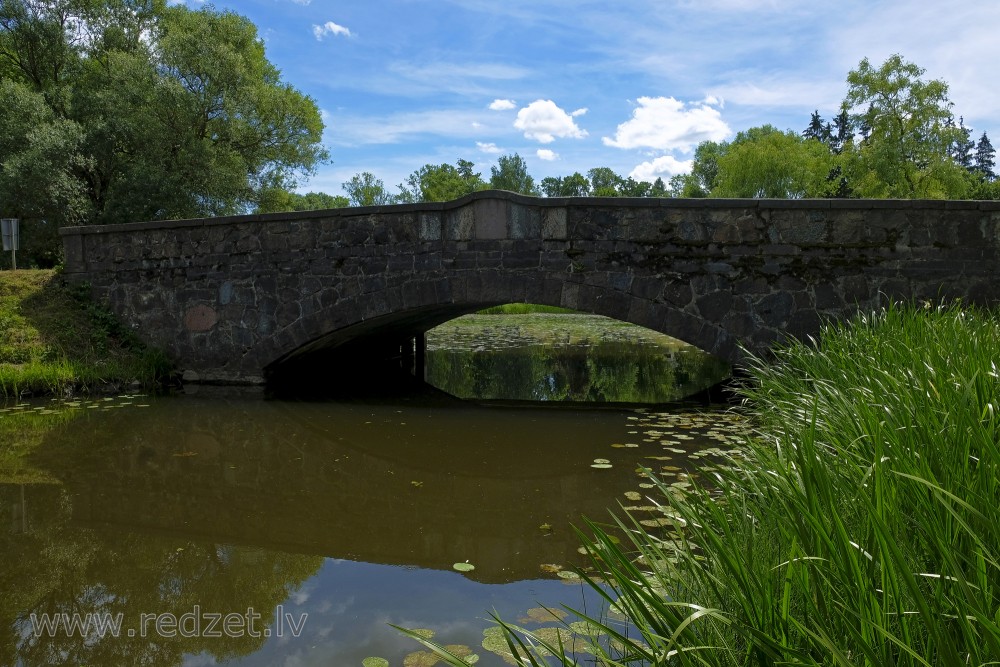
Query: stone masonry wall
[227, 297]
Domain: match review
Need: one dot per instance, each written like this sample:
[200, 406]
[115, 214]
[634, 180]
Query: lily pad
[464, 567]
[374, 662]
[423, 633]
[464, 652]
[495, 642]
[421, 659]
[542, 615]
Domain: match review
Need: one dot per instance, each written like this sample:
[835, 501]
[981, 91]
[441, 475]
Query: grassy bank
[54, 340]
[522, 309]
[860, 528]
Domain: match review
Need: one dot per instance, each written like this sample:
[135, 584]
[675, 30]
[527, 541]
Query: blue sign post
[8, 230]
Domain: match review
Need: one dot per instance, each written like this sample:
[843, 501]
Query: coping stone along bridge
[243, 299]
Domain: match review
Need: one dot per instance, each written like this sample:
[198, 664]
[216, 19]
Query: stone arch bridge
[241, 299]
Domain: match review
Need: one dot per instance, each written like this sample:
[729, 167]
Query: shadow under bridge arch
[374, 354]
[385, 354]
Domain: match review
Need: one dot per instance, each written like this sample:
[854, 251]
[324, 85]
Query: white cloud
[664, 123]
[490, 148]
[546, 154]
[330, 28]
[502, 105]
[543, 121]
[662, 167]
[302, 2]
[782, 91]
[366, 129]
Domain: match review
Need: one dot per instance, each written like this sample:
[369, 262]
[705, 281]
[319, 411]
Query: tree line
[894, 136]
[444, 182]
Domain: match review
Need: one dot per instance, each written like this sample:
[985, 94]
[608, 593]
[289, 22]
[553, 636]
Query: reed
[859, 528]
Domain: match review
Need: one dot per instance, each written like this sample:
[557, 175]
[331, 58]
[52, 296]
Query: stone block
[525, 222]
[460, 225]
[491, 218]
[430, 226]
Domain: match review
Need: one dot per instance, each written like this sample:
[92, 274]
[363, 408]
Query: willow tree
[764, 162]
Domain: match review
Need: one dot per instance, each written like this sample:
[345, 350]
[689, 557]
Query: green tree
[962, 146]
[151, 111]
[318, 201]
[633, 188]
[842, 131]
[365, 189]
[511, 173]
[442, 182]
[766, 162]
[279, 200]
[40, 153]
[906, 137]
[704, 171]
[574, 185]
[817, 129]
[983, 161]
[604, 182]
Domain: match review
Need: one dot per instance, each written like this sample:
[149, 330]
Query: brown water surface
[310, 525]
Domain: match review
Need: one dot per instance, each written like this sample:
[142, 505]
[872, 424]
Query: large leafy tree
[766, 162]
[365, 189]
[282, 200]
[147, 112]
[42, 156]
[604, 182]
[704, 171]
[511, 173]
[907, 138]
[574, 185]
[442, 182]
[630, 187]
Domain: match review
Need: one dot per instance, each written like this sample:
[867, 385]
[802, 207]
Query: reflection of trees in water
[606, 371]
[55, 567]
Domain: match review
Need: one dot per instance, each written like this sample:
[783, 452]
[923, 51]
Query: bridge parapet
[229, 298]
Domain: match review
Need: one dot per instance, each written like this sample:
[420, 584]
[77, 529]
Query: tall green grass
[860, 528]
[54, 339]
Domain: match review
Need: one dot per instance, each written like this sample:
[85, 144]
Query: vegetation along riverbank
[55, 340]
[857, 528]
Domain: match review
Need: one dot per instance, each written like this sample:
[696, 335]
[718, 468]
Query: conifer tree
[817, 129]
[983, 161]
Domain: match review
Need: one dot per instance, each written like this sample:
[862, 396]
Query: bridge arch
[227, 298]
[393, 318]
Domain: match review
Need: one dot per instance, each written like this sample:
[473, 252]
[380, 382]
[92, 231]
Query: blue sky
[569, 85]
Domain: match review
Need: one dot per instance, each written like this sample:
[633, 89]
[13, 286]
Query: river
[310, 526]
